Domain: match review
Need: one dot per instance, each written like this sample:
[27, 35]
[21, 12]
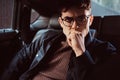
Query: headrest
[41, 23]
[53, 23]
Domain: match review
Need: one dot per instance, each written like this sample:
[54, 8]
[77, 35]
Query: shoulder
[103, 46]
[46, 33]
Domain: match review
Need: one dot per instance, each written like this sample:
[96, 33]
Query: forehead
[74, 12]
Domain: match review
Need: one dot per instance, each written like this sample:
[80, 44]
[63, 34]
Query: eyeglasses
[68, 21]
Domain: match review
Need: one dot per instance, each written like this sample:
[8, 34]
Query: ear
[91, 19]
[60, 21]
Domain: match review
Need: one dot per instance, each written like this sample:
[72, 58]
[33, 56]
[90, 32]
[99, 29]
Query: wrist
[78, 52]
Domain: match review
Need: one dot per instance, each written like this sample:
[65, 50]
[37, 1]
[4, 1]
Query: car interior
[106, 28]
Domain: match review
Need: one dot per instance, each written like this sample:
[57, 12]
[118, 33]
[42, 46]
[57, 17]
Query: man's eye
[81, 18]
[68, 19]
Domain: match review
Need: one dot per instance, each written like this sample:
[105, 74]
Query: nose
[75, 25]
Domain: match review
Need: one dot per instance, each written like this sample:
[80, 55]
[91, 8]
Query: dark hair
[67, 4]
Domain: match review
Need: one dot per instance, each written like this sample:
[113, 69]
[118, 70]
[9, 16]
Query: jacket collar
[88, 39]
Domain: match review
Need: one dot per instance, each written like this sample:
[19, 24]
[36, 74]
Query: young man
[62, 55]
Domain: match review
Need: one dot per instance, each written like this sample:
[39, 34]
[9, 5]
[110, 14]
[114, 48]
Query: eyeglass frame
[76, 19]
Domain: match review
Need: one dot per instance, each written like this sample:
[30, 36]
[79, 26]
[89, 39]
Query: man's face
[76, 20]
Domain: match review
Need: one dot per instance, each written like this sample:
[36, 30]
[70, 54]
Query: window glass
[99, 8]
[6, 13]
[105, 7]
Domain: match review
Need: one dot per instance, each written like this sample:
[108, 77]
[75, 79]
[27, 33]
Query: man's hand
[76, 41]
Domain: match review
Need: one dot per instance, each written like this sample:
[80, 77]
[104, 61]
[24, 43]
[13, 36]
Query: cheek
[84, 29]
[66, 31]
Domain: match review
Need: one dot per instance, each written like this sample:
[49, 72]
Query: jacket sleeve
[101, 51]
[79, 65]
[97, 54]
[21, 61]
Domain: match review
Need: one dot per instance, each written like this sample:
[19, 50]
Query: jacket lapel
[46, 45]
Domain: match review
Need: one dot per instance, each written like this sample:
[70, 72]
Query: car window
[105, 7]
[99, 8]
[6, 13]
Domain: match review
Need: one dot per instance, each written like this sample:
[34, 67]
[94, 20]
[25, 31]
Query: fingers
[76, 41]
[74, 38]
[69, 41]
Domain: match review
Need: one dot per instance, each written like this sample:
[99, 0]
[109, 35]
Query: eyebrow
[68, 17]
[72, 17]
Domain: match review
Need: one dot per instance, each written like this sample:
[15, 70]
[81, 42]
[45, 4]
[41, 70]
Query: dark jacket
[26, 61]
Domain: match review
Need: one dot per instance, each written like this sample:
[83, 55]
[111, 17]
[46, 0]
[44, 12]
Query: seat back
[110, 30]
